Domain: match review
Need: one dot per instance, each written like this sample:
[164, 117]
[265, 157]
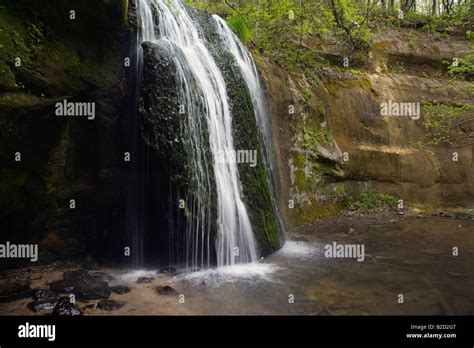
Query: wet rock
[105, 277]
[62, 286]
[90, 264]
[166, 290]
[110, 305]
[11, 290]
[82, 284]
[144, 280]
[93, 293]
[43, 305]
[44, 294]
[78, 274]
[120, 289]
[64, 307]
[169, 270]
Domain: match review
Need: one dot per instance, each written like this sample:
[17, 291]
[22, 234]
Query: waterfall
[250, 73]
[202, 90]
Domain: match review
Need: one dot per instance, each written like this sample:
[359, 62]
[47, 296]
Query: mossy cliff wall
[48, 55]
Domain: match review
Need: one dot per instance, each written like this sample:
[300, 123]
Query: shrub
[370, 200]
[239, 27]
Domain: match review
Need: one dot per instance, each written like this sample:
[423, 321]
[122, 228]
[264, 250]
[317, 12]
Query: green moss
[7, 78]
[313, 132]
[54, 61]
[314, 211]
[362, 82]
[299, 160]
[301, 181]
[317, 179]
[333, 88]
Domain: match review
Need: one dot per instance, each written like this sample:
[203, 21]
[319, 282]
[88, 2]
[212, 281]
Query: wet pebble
[110, 305]
[144, 280]
[166, 290]
[120, 289]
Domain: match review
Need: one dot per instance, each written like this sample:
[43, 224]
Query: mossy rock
[7, 78]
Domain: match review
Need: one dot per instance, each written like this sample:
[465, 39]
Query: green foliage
[277, 29]
[370, 200]
[463, 67]
[459, 18]
[239, 27]
[288, 31]
[442, 123]
[352, 18]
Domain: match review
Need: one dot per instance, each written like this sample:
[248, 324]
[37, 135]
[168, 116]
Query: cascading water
[250, 74]
[202, 90]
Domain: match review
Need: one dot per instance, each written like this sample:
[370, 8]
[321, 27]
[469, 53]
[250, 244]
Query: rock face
[336, 144]
[62, 158]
